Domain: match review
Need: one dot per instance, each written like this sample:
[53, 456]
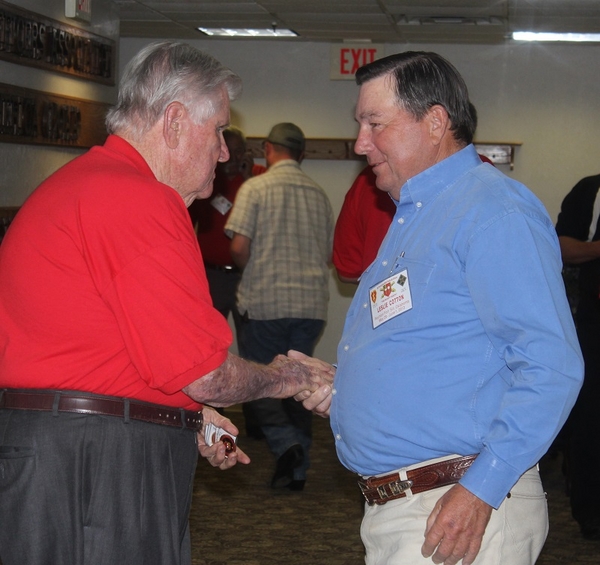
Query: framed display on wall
[41, 118]
[30, 39]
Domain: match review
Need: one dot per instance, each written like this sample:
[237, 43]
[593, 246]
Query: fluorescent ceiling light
[531, 36]
[245, 32]
[445, 20]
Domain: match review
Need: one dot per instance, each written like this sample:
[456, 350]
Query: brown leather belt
[379, 490]
[87, 403]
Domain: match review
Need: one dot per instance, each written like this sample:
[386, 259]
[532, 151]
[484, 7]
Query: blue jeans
[283, 422]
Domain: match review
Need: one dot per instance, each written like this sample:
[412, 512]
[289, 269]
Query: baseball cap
[287, 134]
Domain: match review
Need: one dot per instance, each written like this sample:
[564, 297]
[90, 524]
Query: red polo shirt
[102, 287]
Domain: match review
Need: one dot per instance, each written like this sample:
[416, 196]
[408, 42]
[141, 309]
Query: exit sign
[79, 10]
[346, 58]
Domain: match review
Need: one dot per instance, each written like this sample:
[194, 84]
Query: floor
[237, 519]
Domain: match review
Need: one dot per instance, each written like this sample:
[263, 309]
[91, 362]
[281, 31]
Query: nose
[224, 155]
[362, 143]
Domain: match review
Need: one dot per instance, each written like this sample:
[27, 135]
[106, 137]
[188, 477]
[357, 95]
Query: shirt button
[400, 220]
[384, 263]
[346, 347]
[419, 204]
[333, 391]
[365, 305]
[338, 437]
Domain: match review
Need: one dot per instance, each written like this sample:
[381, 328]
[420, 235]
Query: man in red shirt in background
[210, 216]
[361, 226]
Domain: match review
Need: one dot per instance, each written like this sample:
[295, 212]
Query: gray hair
[164, 72]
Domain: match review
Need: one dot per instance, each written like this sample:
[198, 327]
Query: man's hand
[298, 377]
[319, 400]
[455, 527]
[216, 454]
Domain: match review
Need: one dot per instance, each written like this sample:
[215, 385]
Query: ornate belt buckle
[397, 488]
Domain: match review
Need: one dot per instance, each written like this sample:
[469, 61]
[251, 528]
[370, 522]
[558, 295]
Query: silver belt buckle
[396, 488]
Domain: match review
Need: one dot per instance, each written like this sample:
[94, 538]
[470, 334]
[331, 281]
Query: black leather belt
[379, 490]
[224, 268]
[87, 403]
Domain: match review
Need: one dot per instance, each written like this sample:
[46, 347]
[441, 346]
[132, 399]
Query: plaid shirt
[289, 219]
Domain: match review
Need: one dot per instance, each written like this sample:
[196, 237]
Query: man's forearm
[237, 380]
[576, 252]
[240, 250]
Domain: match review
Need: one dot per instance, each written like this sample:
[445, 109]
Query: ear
[439, 123]
[268, 150]
[172, 123]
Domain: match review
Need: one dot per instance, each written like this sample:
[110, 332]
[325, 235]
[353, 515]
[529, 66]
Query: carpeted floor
[238, 520]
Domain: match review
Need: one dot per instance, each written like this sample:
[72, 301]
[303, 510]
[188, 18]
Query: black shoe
[297, 485]
[590, 530]
[284, 470]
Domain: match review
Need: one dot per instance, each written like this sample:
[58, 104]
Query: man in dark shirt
[579, 239]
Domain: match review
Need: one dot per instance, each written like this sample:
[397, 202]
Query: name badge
[221, 204]
[390, 298]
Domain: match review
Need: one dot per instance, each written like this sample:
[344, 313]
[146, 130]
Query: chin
[204, 193]
[382, 185]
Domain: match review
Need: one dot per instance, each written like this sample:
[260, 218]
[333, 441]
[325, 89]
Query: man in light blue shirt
[459, 362]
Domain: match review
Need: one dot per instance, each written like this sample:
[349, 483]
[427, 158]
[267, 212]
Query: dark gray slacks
[93, 490]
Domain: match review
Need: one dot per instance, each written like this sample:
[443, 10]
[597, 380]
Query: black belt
[224, 268]
[87, 403]
[379, 490]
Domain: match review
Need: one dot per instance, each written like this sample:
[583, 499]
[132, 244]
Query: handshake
[316, 392]
[305, 378]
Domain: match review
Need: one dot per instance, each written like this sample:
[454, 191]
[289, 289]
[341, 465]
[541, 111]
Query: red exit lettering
[353, 58]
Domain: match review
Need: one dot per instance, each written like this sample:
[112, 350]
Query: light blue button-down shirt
[486, 358]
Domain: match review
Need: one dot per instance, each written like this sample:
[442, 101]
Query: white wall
[546, 97]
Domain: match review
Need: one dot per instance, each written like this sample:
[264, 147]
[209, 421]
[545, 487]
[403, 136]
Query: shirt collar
[119, 145]
[285, 163]
[425, 186]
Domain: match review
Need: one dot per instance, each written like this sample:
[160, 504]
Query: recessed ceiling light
[545, 36]
[246, 32]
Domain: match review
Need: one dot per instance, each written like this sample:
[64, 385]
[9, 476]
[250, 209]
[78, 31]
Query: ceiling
[380, 21]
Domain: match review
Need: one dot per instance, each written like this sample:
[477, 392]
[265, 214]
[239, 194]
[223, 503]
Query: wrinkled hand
[319, 400]
[215, 454]
[297, 377]
[455, 527]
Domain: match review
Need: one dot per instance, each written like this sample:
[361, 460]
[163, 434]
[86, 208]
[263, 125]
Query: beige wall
[545, 96]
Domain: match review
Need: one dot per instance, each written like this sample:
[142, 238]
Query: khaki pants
[393, 533]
